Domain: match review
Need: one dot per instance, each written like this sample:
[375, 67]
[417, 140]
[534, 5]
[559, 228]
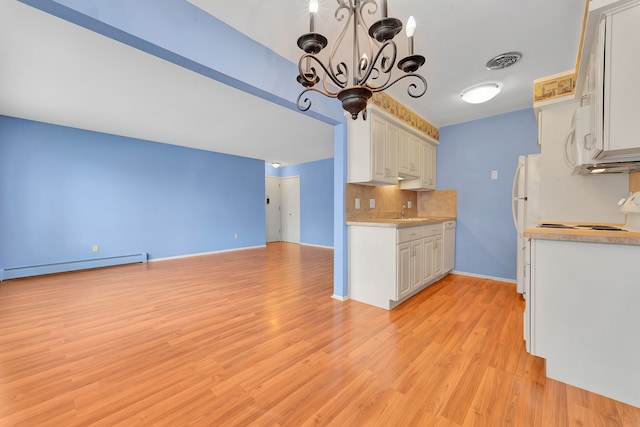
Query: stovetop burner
[587, 226]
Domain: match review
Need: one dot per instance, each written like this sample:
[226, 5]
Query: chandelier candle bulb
[411, 30]
[313, 9]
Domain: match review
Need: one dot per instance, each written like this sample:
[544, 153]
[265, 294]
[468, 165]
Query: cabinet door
[416, 263]
[437, 256]
[392, 154]
[403, 286]
[594, 94]
[431, 166]
[415, 156]
[379, 158]
[621, 110]
[404, 152]
[427, 257]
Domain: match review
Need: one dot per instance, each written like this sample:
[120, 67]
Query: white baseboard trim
[339, 298]
[205, 253]
[482, 276]
[317, 246]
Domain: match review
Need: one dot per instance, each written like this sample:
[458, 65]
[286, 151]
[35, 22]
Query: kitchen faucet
[402, 211]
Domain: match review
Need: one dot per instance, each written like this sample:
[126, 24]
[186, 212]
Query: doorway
[272, 191]
[290, 208]
[282, 209]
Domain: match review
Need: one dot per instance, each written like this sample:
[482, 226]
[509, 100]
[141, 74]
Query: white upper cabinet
[608, 80]
[381, 150]
[427, 175]
[622, 62]
[408, 154]
[373, 151]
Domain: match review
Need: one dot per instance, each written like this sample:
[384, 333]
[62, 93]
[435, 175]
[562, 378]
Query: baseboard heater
[61, 267]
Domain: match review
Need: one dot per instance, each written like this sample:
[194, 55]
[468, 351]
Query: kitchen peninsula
[392, 258]
[583, 298]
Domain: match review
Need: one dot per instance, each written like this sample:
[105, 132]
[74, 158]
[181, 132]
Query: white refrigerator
[525, 206]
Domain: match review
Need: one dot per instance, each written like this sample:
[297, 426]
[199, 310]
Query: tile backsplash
[634, 182]
[388, 202]
[390, 198]
[438, 203]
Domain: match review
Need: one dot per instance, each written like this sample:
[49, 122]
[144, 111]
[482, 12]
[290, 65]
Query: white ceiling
[457, 37]
[56, 72]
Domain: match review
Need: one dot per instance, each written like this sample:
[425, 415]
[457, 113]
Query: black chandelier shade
[371, 67]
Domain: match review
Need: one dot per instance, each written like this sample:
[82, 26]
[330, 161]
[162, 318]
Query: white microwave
[577, 143]
[578, 149]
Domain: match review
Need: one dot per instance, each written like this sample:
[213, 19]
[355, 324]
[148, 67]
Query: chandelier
[369, 70]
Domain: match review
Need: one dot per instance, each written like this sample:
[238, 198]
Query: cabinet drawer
[432, 230]
[411, 233]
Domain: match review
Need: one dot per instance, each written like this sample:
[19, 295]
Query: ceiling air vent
[503, 60]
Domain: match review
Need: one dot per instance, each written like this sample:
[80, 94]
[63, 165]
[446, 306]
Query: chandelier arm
[342, 4]
[327, 91]
[313, 73]
[305, 104]
[344, 10]
[410, 88]
[384, 69]
[362, 30]
[372, 10]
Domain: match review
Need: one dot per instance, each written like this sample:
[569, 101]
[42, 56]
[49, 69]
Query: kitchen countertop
[399, 223]
[584, 235]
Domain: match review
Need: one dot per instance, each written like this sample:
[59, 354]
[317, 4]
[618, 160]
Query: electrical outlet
[372, 203]
[357, 203]
[408, 204]
[235, 236]
[494, 175]
[95, 248]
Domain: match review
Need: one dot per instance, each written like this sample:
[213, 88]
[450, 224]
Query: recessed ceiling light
[275, 164]
[481, 93]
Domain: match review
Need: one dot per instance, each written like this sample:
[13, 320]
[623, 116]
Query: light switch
[494, 175]
[372, 203]
[357, 203]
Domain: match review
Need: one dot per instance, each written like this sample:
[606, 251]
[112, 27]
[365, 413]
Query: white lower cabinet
[410, 268]
[583, 315]
[388, 265]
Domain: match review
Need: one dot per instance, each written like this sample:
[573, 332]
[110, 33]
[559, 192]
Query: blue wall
[63, 190]
[270, 170]
[181, 33]
[316, 200]
[468, 152]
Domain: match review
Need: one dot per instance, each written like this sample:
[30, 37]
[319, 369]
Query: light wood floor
[254, 338]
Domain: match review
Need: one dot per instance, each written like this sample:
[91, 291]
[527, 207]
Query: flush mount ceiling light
[481, 93]
[353, 80]
[275, 164]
